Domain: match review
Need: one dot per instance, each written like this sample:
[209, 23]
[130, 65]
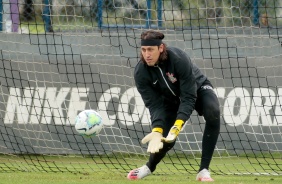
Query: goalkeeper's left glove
[174, 131]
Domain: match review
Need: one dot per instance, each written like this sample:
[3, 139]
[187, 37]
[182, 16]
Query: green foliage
[182, 14]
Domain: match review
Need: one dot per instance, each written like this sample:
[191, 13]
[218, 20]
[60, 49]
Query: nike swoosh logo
[82, 129]
[155, 82]
[89, 128]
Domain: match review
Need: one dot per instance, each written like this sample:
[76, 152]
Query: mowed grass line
[123, 164]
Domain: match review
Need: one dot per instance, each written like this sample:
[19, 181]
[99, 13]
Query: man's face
[151, 54]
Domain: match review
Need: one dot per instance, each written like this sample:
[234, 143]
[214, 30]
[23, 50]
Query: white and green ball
[88, 123]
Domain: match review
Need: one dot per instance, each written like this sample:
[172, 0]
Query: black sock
[210, 137]
[157, 157]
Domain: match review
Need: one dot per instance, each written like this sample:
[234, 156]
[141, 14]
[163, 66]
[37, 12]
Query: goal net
[61, 57]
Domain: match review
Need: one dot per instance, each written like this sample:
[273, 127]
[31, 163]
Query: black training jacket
[173, 83]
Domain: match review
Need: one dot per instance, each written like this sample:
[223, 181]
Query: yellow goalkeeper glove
[174, 131]
[155, 140]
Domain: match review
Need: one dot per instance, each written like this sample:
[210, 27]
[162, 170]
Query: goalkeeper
[171, 87]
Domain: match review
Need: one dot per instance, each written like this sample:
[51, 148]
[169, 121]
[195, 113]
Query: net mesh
[61, 57]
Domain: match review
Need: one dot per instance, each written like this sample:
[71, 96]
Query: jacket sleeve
[152, 99]
[188, 86]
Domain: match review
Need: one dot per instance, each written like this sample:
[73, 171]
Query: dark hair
[152, 34]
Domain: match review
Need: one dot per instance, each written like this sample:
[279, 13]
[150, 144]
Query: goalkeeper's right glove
[174, 131]
[155, 140]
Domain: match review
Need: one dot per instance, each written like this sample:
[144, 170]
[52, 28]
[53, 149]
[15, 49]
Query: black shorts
[206, 98]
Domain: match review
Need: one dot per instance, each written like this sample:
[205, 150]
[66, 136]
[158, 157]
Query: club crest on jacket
[171, 77]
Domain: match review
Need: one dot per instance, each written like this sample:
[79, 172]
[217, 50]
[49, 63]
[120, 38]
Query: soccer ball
[88, 123]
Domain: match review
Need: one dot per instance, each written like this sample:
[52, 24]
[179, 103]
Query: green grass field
[37, 27]
[39, 169]
[107, 178]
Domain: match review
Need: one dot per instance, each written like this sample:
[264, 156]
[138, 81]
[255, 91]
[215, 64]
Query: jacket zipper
[165, 80]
